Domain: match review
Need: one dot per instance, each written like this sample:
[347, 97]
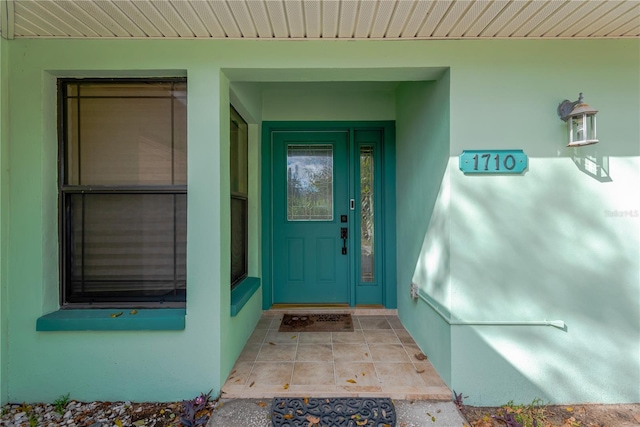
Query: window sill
[242, 293]
[166, 319]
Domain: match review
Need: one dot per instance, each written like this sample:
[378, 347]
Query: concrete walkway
[418, 413]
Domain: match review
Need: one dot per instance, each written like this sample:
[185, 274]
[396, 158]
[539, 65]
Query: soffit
[321, 19]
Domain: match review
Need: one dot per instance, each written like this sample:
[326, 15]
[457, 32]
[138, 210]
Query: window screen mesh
[123, 190]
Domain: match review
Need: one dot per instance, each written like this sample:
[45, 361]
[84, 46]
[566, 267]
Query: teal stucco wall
[130, 365]
[422, 193]
[558, 242]
[553, 243]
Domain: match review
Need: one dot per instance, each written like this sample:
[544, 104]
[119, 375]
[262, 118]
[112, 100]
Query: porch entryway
[378, 359]
[329, 213]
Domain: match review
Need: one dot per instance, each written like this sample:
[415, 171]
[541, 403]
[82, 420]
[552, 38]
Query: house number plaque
[493, 161]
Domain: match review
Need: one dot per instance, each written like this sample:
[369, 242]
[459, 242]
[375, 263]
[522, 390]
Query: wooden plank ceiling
[320, 19]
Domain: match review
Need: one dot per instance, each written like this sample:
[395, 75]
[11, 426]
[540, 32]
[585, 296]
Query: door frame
[388, 232]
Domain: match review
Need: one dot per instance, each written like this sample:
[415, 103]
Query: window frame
[243, 197]
[66, 301]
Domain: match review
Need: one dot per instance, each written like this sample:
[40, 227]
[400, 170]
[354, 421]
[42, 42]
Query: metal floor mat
[333, 412]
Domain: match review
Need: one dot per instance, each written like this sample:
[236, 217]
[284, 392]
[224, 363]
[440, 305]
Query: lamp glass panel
[591, 127]
[578, 128]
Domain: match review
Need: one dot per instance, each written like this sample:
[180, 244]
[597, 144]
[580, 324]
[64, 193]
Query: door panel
[310, 193]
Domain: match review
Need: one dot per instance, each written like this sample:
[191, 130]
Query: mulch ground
[562, 416]
[99, 414]
[162, 414]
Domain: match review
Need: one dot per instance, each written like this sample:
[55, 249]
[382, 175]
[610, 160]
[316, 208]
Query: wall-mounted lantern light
[581, 121]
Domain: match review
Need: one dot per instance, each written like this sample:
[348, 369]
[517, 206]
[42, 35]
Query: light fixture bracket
[566, 107]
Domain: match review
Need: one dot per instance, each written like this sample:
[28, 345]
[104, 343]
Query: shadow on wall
[592, 163]
[432, 270]
[431, 276]
[543, 247]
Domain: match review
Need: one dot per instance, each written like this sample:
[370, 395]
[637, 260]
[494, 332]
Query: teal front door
[328, 213]
[311, 217]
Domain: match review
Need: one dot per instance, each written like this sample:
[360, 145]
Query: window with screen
[239, 143]
[123, 191]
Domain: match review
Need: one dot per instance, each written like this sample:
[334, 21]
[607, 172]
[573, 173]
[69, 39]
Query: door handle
[344, 234]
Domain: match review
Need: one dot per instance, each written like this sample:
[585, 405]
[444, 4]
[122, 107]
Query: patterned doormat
[333, 412]
[316, 323]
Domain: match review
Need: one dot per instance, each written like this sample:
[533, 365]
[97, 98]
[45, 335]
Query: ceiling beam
[7, 15]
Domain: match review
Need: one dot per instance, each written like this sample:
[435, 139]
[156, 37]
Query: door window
[309, 182]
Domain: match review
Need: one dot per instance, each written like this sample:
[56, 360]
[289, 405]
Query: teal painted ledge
[241, 294]
[162, 319]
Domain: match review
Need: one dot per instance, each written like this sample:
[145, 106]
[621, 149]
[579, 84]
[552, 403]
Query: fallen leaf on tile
[272, 343]
[420, 356]
[293, 337]
[351, 381]
[133, 312]
[366, 355]
[363, 374]
[286, 386]
[362, 423]
[287, 416]
[313, 420]
[299, 411]
[420, 371]
[384, 414]
[116, 314]
[261, 404]
[252, 383]
[306, 401]
[355, 417]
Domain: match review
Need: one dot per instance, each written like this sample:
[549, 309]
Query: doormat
[316, 323]
[333, 412]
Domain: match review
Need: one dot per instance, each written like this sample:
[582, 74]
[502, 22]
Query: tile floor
[377, 359]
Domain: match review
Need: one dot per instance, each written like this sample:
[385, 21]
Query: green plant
[61, 403]
[530, 415]
[33, 420]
